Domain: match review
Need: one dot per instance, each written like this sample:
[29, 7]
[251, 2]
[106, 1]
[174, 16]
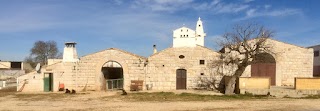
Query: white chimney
[70, 52]
[154, 49]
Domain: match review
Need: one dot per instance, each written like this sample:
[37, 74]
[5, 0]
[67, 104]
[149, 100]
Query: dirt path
[96, 101]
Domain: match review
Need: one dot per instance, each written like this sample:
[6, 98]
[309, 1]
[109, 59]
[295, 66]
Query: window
[181, 56]
[316, 53]
[201, 74]
[16, 65]
[180, 35]
[199, 25]
[181, 30]
[187, 35]
[201, 62]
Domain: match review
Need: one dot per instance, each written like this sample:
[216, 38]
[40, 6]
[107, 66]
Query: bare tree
[241, 47]
[42, 51]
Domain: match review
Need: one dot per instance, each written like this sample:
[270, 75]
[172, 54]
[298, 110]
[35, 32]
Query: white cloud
[162, 5]
[247, 1]
[267, 6]
[252, 13]
[218, 7]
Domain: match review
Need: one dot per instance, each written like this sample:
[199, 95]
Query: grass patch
[39, 97]
[170, 96]
[311, 97]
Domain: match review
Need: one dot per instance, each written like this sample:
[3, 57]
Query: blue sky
[135, 25]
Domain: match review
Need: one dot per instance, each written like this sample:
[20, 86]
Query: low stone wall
[254, 83]
[307, 83]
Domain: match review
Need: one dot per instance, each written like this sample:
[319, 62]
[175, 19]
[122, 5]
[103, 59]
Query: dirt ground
[110, 102]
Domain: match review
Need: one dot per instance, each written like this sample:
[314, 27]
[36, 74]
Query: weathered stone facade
[316, 60]
[162, 66]
[179, 67]
[291, 61]
[86, 74]
[159, 70]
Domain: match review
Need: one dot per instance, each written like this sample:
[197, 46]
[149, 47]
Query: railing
[114, 84]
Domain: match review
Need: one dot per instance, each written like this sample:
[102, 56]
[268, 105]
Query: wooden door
[264, 70]
[181, 79]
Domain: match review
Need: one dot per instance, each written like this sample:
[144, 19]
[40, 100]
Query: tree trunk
[230, 87]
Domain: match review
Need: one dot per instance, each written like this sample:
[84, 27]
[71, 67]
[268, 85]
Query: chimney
[70, 52]
[154, 49]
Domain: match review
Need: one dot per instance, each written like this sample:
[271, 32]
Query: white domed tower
[200, 33]
[186, 37]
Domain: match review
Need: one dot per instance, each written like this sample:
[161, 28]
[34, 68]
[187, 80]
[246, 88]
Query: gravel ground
[105, 101]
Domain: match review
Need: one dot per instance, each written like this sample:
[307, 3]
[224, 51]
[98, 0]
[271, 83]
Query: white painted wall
[70, 53]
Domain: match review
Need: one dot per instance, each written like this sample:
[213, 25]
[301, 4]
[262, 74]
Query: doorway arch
[112, 76]
[264, 65]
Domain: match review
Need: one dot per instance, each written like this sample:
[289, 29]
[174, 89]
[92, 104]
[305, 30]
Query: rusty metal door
[181, 79]
[264, 70]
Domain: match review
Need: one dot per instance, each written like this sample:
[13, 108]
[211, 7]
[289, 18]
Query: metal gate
[181, 79]
[114, 84]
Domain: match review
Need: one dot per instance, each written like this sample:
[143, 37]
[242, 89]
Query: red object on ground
[61, 87]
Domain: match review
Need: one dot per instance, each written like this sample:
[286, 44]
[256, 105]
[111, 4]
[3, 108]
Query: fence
[114, 84]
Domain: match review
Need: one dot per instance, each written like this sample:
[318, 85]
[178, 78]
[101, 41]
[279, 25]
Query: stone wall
[162, 66]
[159, 70]
[86, 74]
[291, 61]
[254, 83]
[307, 83]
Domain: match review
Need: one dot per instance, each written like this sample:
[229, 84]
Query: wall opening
[112, 76]
[264, 65]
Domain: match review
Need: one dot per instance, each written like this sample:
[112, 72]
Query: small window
[180, 35]
[199, 35]
[201, 62]
[181, 30]
[199, 25]
[201, 74]
[316, 53]
[187, 35]
[184, 35]
[187, 30]
[181, 56]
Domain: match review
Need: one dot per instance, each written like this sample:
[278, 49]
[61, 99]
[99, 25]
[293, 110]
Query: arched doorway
[181, 82]
[113, 76]
[264, 65]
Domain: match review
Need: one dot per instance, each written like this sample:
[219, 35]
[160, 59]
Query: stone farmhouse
[177, 67]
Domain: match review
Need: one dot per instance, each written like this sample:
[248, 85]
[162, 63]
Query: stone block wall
[254, 83]
[291, 61]
[302, 83]
[162, 66]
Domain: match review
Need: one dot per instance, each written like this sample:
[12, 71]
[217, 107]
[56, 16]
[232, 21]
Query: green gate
[114, 84]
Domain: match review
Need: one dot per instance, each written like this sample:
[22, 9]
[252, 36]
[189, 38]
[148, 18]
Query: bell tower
[200, 33]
